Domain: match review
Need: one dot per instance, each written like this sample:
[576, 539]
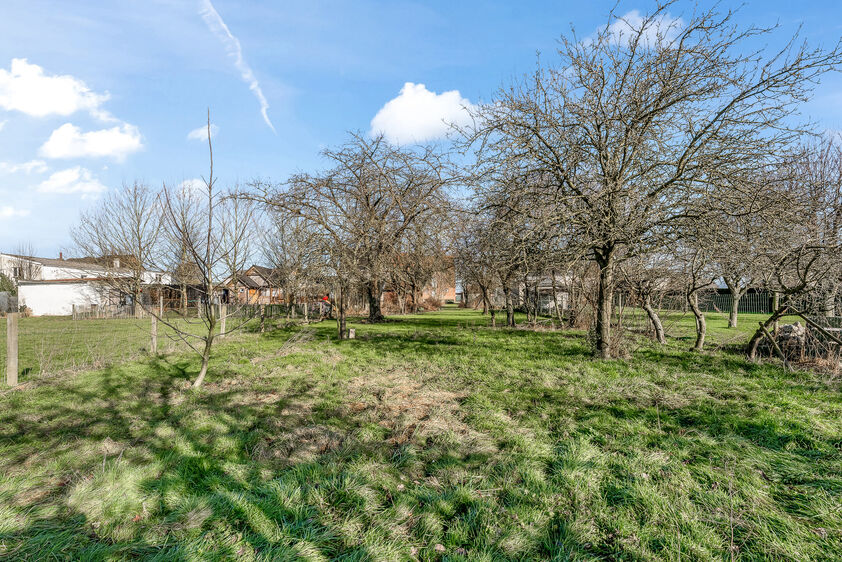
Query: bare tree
[801, 249]
[24, 269]
[625, 130]
[478, 260]
[699, 275]
[420, 256]
[122, 234]
[294, 250]
[646, 276]
[213, 229]
[363, 207]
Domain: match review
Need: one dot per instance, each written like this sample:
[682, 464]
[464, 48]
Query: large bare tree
[364, 205]
[626, 129]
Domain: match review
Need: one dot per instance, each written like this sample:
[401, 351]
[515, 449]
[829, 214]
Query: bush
[7, 285]
[430, 303]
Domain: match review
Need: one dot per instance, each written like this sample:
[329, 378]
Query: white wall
[49, 272]
[57, 299]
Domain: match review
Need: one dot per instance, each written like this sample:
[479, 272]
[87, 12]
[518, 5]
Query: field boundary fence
[751, 303]
[92, 337]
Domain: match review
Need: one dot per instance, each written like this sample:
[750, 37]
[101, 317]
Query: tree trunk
[655, 320]
[753, 344]
[493, 318]
[184, 299]
[510, 307]
[527, 300]
[701, 322]
[484, 292]
[340, 314]
[604, 298]
[414, 294]
[138, 312]
[736, 296]
[555, 301]
[211, 318]
[829, 300]
[373, 292]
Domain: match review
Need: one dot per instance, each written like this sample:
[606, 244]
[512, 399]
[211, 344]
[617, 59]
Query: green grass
[51, 344]
[429, 437]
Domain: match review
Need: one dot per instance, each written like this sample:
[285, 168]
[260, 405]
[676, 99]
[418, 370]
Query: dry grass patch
[413, 409]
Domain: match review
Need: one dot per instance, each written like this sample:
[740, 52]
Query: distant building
[53, 287]
[255, 285]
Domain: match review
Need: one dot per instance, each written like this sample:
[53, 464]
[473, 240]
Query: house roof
[62, 281]
[72, 263]
[270, 274]
[247, 281]
[83, 264]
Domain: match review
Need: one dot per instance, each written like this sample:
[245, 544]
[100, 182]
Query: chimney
[60, 256]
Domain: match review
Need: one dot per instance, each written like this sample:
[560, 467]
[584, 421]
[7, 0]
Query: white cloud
[216, 24]
[68, 141]
[662, 28]
[26, 88]
[201, 133]
[193, 184]
[418, 115]
[37, 166]
[8, 212]
[72, 180]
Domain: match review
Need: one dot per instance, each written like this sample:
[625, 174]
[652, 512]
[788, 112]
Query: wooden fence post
[223, 312]
[12, 348]
[153, 346]
[161, 305]
[262, 318]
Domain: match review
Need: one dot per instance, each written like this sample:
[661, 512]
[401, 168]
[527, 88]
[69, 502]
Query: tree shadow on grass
[146, 468]
[156, 426]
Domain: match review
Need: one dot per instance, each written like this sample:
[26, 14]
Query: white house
[52, 287]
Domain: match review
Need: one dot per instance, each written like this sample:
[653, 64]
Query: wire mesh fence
[64, 343]
[92, 338]
[751, 303]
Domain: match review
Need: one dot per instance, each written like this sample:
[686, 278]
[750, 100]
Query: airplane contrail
[216, 24]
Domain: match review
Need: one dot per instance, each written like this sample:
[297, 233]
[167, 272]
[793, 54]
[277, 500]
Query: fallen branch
[775, 346]
[813, 324]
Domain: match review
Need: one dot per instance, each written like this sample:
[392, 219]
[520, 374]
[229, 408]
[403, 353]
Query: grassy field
[50, 344]
[428, 437]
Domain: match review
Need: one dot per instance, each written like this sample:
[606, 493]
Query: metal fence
[62, 343]
[751, 303]
[96, 337]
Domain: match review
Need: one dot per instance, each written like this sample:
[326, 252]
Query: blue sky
[109, 92]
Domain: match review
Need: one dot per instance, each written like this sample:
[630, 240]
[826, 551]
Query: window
[16, 272]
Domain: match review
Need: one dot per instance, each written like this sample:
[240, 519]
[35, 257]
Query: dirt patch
[301, 444]
[415, 410]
